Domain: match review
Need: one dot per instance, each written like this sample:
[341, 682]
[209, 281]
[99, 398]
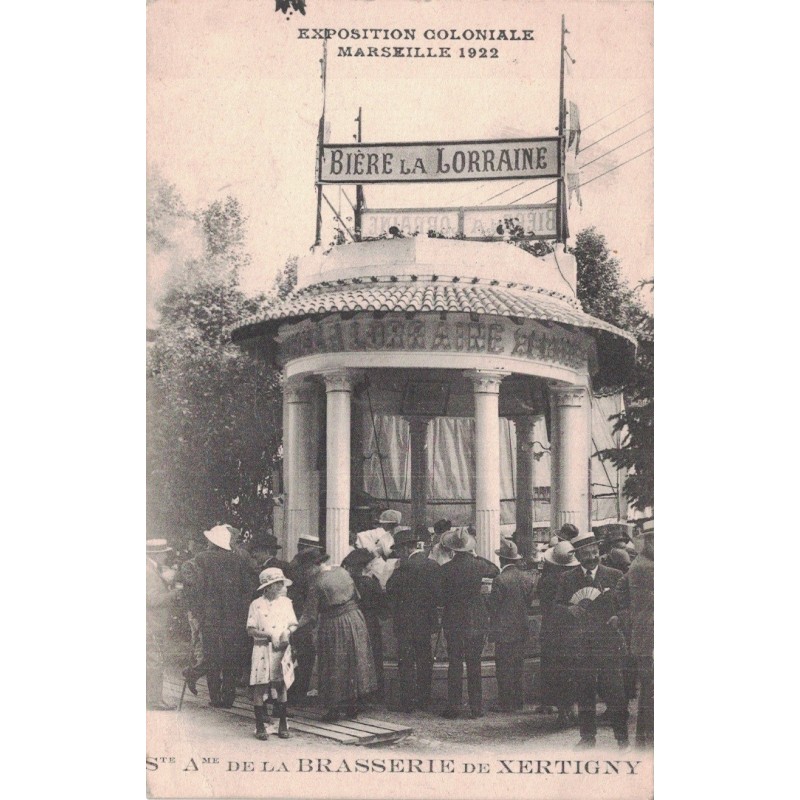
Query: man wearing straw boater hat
[219, 585]
[160, 597]
[465, 621]
[509, 603]
[588, 594]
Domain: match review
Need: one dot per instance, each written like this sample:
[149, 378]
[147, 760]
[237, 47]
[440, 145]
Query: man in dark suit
[270, 547]
[219, 589]
[413, 592]
[600, 645]
[465, 620]
[509, 602]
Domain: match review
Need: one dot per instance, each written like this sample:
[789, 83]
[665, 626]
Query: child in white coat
[270, 621]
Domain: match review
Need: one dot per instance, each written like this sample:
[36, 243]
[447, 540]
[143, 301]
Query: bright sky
[234, 99]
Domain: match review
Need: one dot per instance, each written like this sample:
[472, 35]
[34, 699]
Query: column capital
[486, 381]
[340, 380]
[566, 396]
[297, 390]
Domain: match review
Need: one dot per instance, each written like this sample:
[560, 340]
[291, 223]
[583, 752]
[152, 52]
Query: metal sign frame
[551, 172]
[460, 211]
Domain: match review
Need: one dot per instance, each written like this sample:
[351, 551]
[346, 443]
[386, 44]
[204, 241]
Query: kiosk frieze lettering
[530, 341]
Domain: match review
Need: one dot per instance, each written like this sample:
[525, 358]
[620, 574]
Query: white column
[486, 390]
[338, 389]
[570, 450]
[298, 464]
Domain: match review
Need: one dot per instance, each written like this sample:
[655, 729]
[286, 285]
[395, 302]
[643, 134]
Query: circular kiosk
[425, 331]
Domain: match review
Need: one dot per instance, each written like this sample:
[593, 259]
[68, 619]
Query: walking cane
[183, 692]
[438, 639]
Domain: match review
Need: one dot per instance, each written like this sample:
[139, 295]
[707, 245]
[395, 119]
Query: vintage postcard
[400, 399]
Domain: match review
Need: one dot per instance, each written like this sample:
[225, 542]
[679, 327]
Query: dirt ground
[202, 752]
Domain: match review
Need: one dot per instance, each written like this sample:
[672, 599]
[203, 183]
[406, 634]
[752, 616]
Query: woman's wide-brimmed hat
[220, 535]
[459, 540]
[272, 575]
[390, 517]
[562, 555]
[157, 546]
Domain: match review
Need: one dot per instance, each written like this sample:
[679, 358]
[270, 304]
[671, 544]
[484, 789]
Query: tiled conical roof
[616, 348]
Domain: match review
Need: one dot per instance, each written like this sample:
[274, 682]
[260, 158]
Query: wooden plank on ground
[361, 727]
[377, 723]
[359, 732]
[367, 726]
[343, 738]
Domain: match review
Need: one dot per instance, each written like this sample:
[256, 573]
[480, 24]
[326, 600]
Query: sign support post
[563, 228]
[320, 141]
[359, 209]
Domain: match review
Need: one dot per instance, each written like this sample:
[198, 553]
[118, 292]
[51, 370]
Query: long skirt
[346, 671]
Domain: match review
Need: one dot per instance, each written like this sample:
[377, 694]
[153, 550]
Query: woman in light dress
[270, 621]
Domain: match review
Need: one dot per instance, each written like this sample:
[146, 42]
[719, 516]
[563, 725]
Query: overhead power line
[544, 186]
[621, 164]
[584, 149]
[618, 108]
[608, 152]
[621, 127]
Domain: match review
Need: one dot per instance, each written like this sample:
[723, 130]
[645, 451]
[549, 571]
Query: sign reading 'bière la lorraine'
[443, 161]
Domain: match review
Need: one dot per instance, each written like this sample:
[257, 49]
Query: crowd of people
[312, 627]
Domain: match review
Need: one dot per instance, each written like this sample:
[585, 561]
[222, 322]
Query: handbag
[288, 665]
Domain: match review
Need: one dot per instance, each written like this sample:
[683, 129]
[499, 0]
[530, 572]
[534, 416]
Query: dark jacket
[490, 569]
[464, 608]
[218, 590]
[509, 603]
[635, 595]
[371, 597]
[547, 588]
[595, 636]
[559, 627]
[272, 563]
[413, 591]
[618, 558]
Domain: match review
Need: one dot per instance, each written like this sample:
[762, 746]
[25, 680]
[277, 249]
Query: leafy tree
[285, 280]
[165, 209]
[605, 294]
[214, 411]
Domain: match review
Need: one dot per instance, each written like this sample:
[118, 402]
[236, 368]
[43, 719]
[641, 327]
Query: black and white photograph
[400, 399]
